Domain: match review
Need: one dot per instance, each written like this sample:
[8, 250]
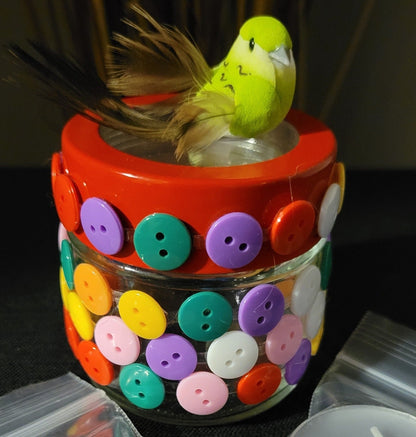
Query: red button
[292, 226]
[71, 333]
[97, 367]
[66, 202]
[259, 384]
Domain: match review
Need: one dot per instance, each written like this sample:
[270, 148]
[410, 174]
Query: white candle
[358, 421]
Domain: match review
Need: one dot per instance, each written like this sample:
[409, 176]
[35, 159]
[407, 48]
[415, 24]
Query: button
[141, 386]
[62, 234]
[162, 241]
[102, 226]
[142, 314]
[315, 315]
[67, 202]
[259, 384]
[171, 356]
[205, 316]
[296, 366]
[115, 340]
[316, 341]
[93, 289]
[234, 240]
[63, 287]
[284, 340]
[67, 263]
[97, 367]
[338, 176]
[261, 309]
[71, 333]
[291, 227]
[202, 393]
[305, 289]
[80, 316]
[329, 210]
[326, 265]
[232, 355]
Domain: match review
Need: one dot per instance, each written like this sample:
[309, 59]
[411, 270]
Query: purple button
[171, 356]
[261, 309]
[234, 240]
[295, 367]
[102, 226]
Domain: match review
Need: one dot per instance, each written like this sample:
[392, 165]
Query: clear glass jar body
[253, 376]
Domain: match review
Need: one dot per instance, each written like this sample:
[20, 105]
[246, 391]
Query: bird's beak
[281, 56]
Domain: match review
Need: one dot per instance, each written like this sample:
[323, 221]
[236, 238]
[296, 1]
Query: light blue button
[67, 263]
[162, 241]
[141, 386]
[205, 316]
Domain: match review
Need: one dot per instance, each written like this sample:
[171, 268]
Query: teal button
[326, 265]
[141, 386]
[67, 263]
[162, 241]
[205, 316]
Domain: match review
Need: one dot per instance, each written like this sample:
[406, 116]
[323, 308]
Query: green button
[141, 386]
[205, 316]
[326, 265]
[67, 263]
[162, 241]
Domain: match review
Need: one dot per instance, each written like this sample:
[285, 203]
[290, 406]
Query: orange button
[338, 177]
[292, 226]
[66, 202]
[71, 333]
[259, 384]
[98, 368]
[93, 289]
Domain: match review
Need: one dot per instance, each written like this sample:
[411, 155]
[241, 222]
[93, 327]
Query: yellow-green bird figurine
[247, 94]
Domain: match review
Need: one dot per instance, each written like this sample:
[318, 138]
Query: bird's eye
[251, 44]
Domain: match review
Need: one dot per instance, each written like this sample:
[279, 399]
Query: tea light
[358, 421]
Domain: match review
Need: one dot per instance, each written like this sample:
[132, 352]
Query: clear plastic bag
[377, 366]
[64, 406]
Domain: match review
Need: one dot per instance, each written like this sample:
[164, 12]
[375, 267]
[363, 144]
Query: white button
[305, 289]
[315, 315]
[329, 210]
[232, 355]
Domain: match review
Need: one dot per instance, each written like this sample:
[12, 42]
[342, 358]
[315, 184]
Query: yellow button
[64, 287]
[142, 314]
[80, 316]
[316, 341]
[93, 289]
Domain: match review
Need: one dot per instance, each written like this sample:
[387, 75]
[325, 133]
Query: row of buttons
[163, 242]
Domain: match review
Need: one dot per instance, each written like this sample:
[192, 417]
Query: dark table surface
[373, 248]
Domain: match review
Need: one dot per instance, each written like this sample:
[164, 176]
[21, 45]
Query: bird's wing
[156, 59]
[200, 121]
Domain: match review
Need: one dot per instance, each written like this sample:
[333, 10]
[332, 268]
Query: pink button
[115, 340]
[202, 393]
[284, 340]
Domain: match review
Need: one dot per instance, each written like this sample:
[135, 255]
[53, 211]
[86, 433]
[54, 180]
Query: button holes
[228, 240]
[164, 363]
[205, 327]
[90, 298]
[87, 360]
[137, 381]
[117, 349]
[228, 363]
[135, 310]
[292, 335]
[260, 320]
[142, 324]
[92, 228]
[283, 347]
[268, 305]
[176, 356]
[291, 237]
[243, 247]
[301, 223]
[303, 358]
[103, 229]
[239, 352]
[206, 402]
[160, 236]
[62, 198]
[198, 391]
[207, 312]
[163, 253]
[109, 336]
[96, 370]
[259, 383]
[141, 395]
